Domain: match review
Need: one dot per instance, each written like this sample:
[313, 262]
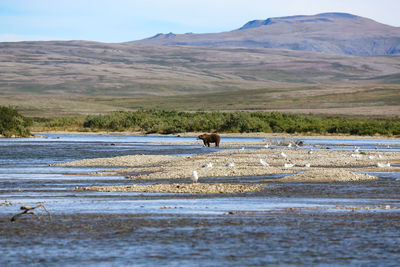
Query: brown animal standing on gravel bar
[210, 138]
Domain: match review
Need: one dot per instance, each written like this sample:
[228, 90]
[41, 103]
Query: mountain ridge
[269, 21]
[333, 33]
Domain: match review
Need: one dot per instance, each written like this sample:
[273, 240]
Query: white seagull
[230, 164]
[307, 165]
[310, 151]
[283, 155]
[195, 177]
[264, 163]
[288, 165]
[383, 165]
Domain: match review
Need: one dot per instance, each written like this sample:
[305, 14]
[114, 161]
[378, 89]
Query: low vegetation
[13, 124]
[168, 122]
[60, 123]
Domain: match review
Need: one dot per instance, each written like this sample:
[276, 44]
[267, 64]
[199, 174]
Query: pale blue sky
[124, 20]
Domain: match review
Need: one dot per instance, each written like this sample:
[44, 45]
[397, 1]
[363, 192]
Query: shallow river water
[287, 224]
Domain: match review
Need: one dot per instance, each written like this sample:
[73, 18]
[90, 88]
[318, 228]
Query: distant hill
[99, 69]
[334, 33]
[268, 64]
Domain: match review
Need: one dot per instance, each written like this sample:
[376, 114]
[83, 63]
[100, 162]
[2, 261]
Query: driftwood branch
[28, 210]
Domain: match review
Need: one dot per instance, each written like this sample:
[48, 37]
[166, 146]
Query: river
[289, 224]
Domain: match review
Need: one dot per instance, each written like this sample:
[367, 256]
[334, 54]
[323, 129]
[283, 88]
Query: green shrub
[168, 122]
[13, 124]
[60, 122]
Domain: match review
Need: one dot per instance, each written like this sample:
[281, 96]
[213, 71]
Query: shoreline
[255, 134]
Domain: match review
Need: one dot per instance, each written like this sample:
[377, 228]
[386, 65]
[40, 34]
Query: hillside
[80, 77]
[83, 77]
[334, 33]
[99, 69]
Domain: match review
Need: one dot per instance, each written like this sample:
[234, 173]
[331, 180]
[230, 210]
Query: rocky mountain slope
[334, 33]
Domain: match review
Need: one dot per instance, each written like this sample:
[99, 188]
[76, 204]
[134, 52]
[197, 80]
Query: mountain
[334, 33]
[268, 64]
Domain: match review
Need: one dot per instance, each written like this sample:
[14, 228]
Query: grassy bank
[66, 123]
[169, 122]
[13, 124]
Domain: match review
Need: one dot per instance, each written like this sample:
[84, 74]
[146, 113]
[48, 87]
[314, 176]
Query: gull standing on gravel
[288, 165]
[265, 164]
[195, 177]
[232, 164]
[383, 165]
[283, 155]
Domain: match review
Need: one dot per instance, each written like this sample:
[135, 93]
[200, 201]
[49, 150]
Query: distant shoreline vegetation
[172, 122]
[13, 124]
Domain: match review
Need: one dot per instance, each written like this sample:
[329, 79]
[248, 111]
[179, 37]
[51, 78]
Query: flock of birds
[357, 154]
[288, 164]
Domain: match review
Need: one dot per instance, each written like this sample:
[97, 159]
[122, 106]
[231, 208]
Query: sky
[114, 21]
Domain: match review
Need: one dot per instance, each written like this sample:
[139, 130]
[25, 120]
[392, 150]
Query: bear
[210, 138]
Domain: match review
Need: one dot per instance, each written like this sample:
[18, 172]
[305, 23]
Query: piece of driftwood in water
[28, 210]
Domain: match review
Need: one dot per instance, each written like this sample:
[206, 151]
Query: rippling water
[290, 223]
